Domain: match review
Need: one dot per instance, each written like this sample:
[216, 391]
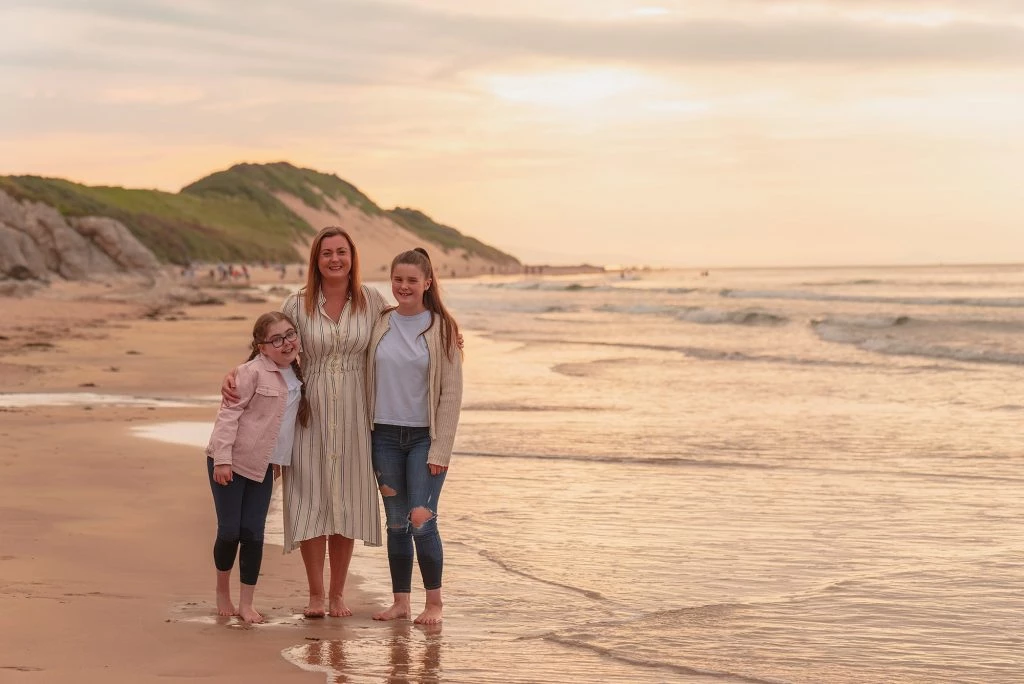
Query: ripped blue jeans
[400, 464]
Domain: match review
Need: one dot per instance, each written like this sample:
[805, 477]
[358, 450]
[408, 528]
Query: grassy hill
[445, 236]
[257, 181]
[230, 215]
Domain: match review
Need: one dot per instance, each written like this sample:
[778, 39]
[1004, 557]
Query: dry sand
[106, 571]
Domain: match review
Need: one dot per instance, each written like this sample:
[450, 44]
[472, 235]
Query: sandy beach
[105, 560]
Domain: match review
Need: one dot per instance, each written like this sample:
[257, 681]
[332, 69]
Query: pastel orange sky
[690, 133]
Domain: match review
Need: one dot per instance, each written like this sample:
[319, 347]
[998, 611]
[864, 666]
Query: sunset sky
[662, 132]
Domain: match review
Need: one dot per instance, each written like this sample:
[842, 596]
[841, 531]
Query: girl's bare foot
[245, 609]
[225, 608]
[431, 615]
[315, 607]
[338, 607]
[398, 609]
[249, 614]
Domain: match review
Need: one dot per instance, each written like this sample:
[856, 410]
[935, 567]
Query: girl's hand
[460, 342]
[229, 388]
[436, 469]
[277, 471]
[222, 474]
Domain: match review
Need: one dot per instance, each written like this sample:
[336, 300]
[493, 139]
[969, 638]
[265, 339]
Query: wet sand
[105, 562]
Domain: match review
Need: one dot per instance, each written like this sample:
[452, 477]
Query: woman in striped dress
[330, 493]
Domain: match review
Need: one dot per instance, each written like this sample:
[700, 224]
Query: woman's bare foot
[225, 608]
[338, 607]
[249, 614]
[315, 607]
[339, 552]
[398, 609]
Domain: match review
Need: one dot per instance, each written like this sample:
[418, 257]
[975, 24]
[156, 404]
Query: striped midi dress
[330, 487]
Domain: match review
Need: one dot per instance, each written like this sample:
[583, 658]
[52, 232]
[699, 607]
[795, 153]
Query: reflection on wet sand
[405, 654]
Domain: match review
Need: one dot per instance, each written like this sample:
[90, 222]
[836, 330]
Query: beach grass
[446, 236]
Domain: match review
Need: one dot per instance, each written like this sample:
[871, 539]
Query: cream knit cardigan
[444, 395]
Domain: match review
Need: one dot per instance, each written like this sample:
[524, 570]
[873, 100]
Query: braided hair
[303, 416]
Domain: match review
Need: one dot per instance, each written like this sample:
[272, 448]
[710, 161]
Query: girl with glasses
[252, 438]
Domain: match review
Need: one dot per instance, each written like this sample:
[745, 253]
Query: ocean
[778, 475]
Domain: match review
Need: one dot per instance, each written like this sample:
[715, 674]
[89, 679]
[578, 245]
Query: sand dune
[379, 239]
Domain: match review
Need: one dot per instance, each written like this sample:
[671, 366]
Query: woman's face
[335, 258]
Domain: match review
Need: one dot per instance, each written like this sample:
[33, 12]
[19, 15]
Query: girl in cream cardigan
[414, 382]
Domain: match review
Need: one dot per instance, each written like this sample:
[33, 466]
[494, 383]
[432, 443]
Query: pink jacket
[245, 433]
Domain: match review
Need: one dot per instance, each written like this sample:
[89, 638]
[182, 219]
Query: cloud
[158, 95]
[735, 41]
[360, 42]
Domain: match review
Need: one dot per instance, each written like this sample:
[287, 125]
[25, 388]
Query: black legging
[242, 506]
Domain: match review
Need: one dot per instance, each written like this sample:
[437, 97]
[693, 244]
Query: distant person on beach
[251, 441]
[414, 367]
[330, 495]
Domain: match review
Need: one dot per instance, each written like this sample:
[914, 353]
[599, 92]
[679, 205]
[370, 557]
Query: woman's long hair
[432, 297]
[311, 292]
[259, 334]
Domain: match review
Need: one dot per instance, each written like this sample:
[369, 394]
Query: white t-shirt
[402, 362]
[286, 437]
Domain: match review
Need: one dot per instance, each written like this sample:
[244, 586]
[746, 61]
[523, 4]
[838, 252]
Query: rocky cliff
[38, 244]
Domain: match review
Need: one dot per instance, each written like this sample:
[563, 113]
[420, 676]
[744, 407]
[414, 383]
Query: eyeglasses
[277, 341]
